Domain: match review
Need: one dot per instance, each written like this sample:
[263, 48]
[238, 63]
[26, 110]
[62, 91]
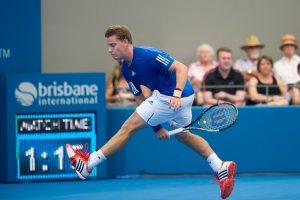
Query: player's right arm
[139, 99]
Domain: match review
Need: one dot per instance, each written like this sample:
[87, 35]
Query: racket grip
[175, 131]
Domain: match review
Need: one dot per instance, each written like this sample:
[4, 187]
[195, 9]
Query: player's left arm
[181, 77]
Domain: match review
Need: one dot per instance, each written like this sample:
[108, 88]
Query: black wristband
[176, 97]
[156, 128]
[178, 89]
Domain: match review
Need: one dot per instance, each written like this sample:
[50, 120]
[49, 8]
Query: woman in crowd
[198, 69]
[117, 90]
[265, 88]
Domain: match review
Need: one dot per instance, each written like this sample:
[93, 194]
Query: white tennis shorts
[155, 110]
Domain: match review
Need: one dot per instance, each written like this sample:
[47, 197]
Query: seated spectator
[224, 83]
[265, 88]
[286, 68]
[248, 65]
[197, 69]
[295, 90]
[117, 90]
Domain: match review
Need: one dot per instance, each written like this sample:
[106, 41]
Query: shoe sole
[228, 188]
[71, 154]
[70, 151]
[80, 175]
[231, 168]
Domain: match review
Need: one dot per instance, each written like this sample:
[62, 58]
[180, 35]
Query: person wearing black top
[224, 83]
[265, 88]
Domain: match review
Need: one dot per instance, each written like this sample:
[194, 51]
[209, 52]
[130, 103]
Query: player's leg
[133, 123]
[146, 113]
[224, 170]
[200, 146]
[84, 163]
[184, 117]
[197, 143]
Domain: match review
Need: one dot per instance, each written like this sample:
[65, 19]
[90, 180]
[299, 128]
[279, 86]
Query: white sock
[214, 162]
[96, 158]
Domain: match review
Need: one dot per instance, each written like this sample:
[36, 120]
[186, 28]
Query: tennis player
[171, 101]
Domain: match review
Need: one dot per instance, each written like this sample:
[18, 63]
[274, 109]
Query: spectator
[295, 90]
[197, 69]
[248, 65]
[117, 90]
[265, 88]
[286, 68]
[224, 75]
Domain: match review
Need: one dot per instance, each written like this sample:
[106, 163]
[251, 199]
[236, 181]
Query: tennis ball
[204, 122]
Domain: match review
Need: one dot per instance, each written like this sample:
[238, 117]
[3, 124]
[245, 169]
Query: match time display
[41, 139]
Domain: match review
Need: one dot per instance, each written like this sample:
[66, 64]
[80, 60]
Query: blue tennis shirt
[149, 67]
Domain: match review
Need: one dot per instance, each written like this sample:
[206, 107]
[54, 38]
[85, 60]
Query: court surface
[183, 188]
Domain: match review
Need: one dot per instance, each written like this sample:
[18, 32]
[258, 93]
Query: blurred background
[73, 30]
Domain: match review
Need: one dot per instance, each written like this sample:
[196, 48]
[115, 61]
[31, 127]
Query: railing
[245, 88]
[242, 87]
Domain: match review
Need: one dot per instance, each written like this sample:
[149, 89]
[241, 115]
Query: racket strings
[218, 117]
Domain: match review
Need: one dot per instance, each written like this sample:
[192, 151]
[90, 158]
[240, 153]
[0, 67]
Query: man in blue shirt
[169, 99]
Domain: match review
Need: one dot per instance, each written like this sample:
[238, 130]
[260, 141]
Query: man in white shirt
[252, 48]
[286, 68]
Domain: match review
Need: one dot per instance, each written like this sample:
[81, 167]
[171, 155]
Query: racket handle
[175, 131]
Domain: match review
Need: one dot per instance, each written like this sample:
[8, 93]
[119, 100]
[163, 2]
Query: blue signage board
[20, 36]
[40, 114]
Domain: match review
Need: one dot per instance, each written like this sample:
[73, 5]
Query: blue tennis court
[183, 188]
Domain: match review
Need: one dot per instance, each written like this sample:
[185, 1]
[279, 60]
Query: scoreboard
[43, 114]
[41, 140]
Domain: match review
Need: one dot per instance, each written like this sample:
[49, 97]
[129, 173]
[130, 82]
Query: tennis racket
[216, 118]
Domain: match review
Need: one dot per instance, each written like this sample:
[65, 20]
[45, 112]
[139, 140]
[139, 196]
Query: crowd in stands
[253, 80]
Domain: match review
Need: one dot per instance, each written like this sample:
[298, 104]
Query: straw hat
[252, 41]
[288, 39]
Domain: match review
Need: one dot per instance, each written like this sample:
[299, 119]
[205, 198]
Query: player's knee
[183, 137]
